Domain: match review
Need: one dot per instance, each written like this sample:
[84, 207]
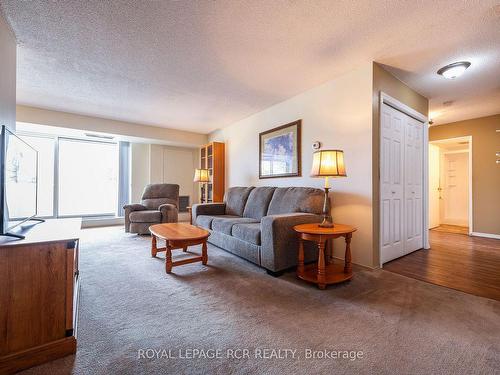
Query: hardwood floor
[452, 229]
[457, 261]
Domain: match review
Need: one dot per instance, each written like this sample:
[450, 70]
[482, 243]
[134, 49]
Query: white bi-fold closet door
[401, 184]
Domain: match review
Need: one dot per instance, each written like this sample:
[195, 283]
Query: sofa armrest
[130, 208]
[169, 213]
[279, 241]
[207, 209]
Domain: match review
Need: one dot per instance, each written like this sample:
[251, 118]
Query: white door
[413, 185]
[434, 176]
[401, 177]
[391, 183]
[455, 210]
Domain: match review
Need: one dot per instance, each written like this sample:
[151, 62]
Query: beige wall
[7, 75]
[386, 82]
[175, 165]
[139, 170]
[178, 168]
[383, 81]
[95, 124]
[338, 114]
[152, 163]
[156, 164]
[485, 172]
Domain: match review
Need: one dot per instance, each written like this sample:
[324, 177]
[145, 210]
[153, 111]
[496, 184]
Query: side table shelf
[324, 272]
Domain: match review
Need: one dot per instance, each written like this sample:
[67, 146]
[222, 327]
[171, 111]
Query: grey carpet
[402, 326]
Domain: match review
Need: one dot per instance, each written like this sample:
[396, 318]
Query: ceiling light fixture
[452, 71]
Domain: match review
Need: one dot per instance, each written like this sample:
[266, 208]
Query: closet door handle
[393, 192]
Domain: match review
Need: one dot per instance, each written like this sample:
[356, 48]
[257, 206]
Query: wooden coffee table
[324, 272]
[179, 236]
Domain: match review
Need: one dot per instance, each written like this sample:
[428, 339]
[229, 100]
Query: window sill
[102, 222]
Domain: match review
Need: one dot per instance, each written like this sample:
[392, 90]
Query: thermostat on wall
[316, 145]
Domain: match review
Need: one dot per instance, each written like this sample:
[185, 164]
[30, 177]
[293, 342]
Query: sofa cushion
[146, 216]
[296, 199]
[236, 198]
[225, 224]
[258, 202]
[236, 246]
[204, 221]
[247, 232]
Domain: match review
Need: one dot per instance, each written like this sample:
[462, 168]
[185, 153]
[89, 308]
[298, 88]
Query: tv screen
[19, 181]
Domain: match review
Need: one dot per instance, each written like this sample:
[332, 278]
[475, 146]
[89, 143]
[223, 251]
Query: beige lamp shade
[201, 175]
[328, 163]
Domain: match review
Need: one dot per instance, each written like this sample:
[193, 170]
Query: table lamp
[328, 163]
[202, 176]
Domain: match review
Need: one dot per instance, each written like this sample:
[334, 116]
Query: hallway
[457, 261]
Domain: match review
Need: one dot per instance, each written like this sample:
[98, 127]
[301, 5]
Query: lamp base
[326, 223]
[327, 218]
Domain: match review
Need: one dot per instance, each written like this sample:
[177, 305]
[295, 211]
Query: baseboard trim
[486, 235]
[36, 356]
[357, 264]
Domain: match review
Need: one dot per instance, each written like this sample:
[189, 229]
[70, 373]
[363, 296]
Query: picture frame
[280, 151]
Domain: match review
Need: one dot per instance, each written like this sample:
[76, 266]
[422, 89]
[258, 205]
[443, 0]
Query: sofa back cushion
[296, 199]
[258, 202]
[236, 198]
[155, 195]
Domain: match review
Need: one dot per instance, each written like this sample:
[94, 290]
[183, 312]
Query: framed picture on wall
[279, 151]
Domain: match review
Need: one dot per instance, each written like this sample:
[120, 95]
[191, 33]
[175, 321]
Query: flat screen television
[18, 182]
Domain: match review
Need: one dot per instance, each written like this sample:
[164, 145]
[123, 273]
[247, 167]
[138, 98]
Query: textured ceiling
[201, 65]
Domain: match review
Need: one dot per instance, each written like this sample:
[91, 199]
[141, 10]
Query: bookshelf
[212, 158]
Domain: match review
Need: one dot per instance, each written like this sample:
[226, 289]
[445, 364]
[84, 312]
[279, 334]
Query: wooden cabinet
[212, 158]
[39, 295]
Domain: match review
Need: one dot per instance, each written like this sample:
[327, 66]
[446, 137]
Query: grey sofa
[256, 223]
[159, 204]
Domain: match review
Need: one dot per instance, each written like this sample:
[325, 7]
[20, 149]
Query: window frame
[55, 188]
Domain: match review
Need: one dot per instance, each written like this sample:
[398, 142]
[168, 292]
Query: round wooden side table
[324, 272]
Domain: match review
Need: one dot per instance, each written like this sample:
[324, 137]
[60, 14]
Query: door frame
[399, 106]
[467, 138]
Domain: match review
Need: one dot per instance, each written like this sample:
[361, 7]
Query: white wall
[338, 114]
[7, 75]
[41, 116]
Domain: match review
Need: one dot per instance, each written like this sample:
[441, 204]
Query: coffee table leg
[347, 266]
[153, 246]
[300, 265]
[204, 253]
[321, 266]
[168, 263]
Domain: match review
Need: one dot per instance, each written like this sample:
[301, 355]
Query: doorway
[450, 185]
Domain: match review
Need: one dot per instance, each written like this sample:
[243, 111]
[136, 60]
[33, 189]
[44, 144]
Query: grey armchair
[159, 204]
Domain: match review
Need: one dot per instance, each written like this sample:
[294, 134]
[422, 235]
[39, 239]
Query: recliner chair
[159, 204]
